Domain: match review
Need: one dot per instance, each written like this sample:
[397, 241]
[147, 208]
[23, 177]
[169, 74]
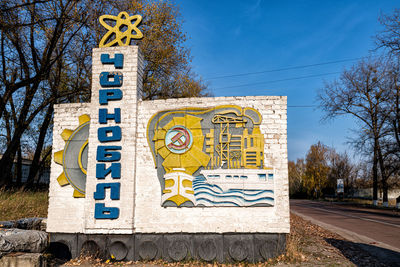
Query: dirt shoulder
[321, 247]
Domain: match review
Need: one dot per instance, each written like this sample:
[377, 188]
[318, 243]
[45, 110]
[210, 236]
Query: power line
[305, 106]
[281, 80]
[283, 69]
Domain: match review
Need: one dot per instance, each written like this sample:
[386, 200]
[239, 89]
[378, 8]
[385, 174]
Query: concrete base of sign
[227, 247]
[20, 259]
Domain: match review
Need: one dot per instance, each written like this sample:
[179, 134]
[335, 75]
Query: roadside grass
[19, 203]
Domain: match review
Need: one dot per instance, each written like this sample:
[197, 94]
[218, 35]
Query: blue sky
[234, 37]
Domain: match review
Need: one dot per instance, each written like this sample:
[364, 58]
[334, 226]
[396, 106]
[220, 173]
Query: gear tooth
[83, 119]
[78, 194]
[66, 134]
[58, 157]
[62, 180]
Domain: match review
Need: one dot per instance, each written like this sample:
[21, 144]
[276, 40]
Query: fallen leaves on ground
[307, 245]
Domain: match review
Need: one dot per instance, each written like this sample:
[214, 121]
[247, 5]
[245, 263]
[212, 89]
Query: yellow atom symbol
[123, 29]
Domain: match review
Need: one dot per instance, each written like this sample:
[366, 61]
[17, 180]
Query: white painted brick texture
[65, 214]
[140, 203]
[128, 105]
[150, 217]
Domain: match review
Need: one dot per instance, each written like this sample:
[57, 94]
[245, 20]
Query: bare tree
[389, 38]
[35, 37]
[296, 175]
[341, 168]
[362, 92]
[45, 58]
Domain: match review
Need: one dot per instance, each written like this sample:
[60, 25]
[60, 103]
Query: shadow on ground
[366, 254]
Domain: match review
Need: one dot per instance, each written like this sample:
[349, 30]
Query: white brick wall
[128, 105]
[65, 214]
[140, 203]
[150, 217]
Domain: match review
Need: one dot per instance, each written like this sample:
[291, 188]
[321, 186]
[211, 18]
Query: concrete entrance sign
[201, 178]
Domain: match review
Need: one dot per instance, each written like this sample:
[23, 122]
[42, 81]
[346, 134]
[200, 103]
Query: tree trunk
[20, 126]
[18, 166]
[33, 171]
[384, 176]
[375, 175]
[42, 165]
[385, 188]
[7, 160]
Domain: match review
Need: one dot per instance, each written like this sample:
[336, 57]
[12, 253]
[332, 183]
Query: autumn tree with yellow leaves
[316, 170]
[316, 176]
[45, 59]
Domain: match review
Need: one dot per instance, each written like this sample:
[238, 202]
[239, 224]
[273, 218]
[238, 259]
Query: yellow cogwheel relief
[121, 29]
[74, 157]
[210, 157]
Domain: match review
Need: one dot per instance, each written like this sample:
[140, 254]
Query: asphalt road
[371, 228]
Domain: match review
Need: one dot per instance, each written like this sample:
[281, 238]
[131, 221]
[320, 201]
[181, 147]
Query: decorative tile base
[229, 247]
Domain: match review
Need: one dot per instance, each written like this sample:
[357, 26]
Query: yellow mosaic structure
[124, 30]
[230, 139]
[193, 158]
[70, 151]
[238, 151]
[180, 156]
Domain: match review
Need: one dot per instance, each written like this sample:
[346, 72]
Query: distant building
[44, 177]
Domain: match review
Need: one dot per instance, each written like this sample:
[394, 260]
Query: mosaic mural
[211, 157]
[123, 28]
[74, 157]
